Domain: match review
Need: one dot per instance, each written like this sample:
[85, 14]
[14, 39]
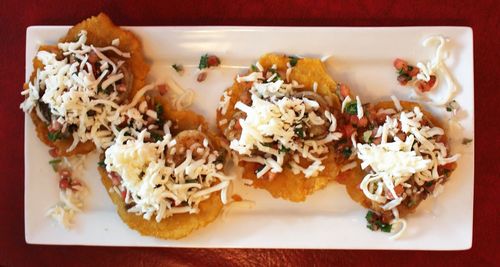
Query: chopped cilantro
[346, 152]
[156, 137]
[352, 108]
[254, 68]
[284, 149]
[53, 136]
[299, 132]
[293, 60]
[277, 77]
[428, 184]
[54, 163]
[369, 216]
[101, 164]
[374, 222]
[385, 227]
[203, 62]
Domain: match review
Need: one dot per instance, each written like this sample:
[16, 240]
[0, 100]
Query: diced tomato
[403, 79]
[202, 76]
[64, 183]
[237, 125]
[65, 174]
[363, 122]
[377, 141]
[399, 189]
[115, 178]
[413, 72]
[349, 129]
[345, 90]
[93, 58]
[427, 86]
[54, 152]
[162, 89]
[54, 126]
[400, 64]
[354, 119]
[236, 197]
[124, 193]
[213, 61]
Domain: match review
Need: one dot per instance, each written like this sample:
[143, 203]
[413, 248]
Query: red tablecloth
[482, 16]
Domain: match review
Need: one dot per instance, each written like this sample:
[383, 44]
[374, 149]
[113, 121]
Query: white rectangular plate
[361, 57]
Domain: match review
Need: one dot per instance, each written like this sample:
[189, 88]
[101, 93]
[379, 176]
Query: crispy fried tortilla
[352, 178]
[178, 225]
[287, 185]
[100, 32]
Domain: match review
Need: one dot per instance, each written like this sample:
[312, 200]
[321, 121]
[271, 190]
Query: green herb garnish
[254, 68]
[203, 62]
[54, 163]
[101, 164]
[299, 132]
[346, 152]
[369, 216]
[352, 108]
[53, 136]
[384, 227]
[284, 149]
[156, 137]
[188, 181]
[293, 60]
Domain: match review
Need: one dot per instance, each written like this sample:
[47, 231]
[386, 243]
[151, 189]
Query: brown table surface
[482, 16]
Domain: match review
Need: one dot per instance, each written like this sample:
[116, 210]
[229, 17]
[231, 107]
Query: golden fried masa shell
[287, 185]
[100, 32]
[352, 178]
[178, 225]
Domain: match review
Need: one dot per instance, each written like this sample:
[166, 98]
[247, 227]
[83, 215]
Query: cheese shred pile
[279, 122]
[80, 90]
[406, 164]
[155, 185]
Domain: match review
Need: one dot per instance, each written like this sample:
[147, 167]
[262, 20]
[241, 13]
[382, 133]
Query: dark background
[482, 16]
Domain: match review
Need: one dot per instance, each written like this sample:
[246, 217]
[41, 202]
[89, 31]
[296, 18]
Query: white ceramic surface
[361, 57]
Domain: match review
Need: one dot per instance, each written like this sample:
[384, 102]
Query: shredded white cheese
[71, 91]
[394, 163]
[71, 200]
[157, 186]
[276, 116]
